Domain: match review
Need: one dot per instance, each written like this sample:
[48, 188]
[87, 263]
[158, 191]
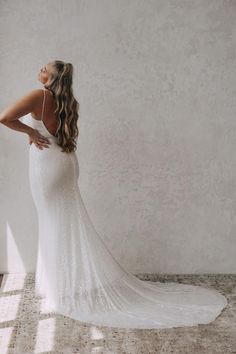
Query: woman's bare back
[49, 118]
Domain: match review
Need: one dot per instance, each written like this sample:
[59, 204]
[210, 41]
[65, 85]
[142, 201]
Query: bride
[76, 274]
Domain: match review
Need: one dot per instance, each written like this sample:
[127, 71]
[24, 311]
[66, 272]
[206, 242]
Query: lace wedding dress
[76, 272]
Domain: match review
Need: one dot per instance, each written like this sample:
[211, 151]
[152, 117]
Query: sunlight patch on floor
[13, 282]
[45, 336]
[9, 305]
[5, 337]
[95, 333]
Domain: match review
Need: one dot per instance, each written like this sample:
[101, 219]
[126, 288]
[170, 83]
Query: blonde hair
[67, 107]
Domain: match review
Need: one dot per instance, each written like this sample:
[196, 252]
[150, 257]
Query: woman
[76, 274]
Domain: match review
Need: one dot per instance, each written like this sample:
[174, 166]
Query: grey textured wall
[156, 84]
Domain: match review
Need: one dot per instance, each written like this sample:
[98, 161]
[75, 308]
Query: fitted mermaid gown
[77, 275]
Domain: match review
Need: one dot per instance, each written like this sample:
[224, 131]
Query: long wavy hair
[67, 107]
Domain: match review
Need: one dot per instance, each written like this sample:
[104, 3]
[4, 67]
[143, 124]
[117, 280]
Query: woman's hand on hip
[38, 139]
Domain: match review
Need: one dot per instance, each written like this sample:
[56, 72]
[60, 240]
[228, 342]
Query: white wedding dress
[76, 273]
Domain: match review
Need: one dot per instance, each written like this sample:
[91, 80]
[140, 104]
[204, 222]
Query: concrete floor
[29, 330]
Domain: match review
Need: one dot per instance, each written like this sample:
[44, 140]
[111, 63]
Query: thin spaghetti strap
[43, 104]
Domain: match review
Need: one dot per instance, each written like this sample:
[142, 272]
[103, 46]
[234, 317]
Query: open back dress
[77, 275]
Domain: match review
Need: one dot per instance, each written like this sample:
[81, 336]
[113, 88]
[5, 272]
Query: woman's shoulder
[39, 92]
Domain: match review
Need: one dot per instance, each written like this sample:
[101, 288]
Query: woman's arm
[10, 116]
[18, 125]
